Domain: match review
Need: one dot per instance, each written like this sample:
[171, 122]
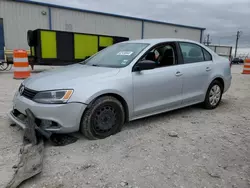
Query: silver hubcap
[214, 95]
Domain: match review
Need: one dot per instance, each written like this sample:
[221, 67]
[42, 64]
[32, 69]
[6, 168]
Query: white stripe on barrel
[20, 60]
[21, 69]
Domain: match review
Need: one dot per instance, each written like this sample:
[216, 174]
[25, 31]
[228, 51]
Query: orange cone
[246, 68]
[21, 64]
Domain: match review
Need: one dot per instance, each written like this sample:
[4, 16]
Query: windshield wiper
[82, 62]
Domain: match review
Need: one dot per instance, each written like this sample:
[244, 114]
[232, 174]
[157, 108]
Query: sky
[221, 18]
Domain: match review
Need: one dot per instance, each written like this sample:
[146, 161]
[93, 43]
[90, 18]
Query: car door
[197, 68]
[158, 89]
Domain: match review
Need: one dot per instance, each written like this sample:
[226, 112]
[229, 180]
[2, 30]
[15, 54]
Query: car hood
[68, 76]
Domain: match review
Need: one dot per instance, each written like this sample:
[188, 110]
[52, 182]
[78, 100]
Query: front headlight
[53, 97]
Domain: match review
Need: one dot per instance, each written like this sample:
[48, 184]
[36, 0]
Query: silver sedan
[121, 83]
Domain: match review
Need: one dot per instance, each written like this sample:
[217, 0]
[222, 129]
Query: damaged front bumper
[28, 122]
[55, 118]
[16, 120]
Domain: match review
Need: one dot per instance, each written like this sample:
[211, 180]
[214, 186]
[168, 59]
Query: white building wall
[76, 21]
[212, 48]
[18, 18]
[223, 50]
[158, 30]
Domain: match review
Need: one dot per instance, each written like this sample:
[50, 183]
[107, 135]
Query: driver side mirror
[145, 65]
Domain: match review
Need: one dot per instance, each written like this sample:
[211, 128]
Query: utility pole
[237, 39]
[207, 40]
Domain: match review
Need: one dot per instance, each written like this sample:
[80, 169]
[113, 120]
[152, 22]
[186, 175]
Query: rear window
[193, 53]
[207, 55]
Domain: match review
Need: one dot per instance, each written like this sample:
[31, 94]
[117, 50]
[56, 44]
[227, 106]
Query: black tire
[30, 38]
[207, 104]
[103, 118]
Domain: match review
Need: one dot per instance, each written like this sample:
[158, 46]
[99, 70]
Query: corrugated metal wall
[156, 30]
[21, 17]
[18, 18]
[221, 50]
[93, 23]
[212, 48]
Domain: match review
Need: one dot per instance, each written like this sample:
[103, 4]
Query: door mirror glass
[145, 65]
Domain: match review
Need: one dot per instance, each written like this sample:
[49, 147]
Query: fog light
[46, 124]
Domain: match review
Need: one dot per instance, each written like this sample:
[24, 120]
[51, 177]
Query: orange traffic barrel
[21, 64]
[246, 68]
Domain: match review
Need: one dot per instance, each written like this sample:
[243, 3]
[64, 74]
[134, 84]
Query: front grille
[28, 93]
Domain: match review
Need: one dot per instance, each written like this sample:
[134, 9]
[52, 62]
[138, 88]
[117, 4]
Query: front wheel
[213, 96]
[103, 118]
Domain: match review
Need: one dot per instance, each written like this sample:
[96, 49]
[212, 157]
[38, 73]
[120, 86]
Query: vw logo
[21, 90]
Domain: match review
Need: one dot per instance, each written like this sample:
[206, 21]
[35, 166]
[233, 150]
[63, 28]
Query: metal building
[19, 16]
[225, 51]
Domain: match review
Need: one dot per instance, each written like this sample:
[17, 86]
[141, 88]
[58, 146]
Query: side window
[162, 55]
[207, 55]
[192, 53]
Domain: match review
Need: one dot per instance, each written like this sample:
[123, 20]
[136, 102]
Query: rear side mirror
[145, 65]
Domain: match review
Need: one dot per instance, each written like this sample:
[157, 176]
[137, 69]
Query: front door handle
[208, 69]
[178, 73]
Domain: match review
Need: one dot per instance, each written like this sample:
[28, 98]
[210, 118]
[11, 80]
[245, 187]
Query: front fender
[105, 92]
[128, 100]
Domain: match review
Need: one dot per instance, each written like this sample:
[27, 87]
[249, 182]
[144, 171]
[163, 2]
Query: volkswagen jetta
[121, 83]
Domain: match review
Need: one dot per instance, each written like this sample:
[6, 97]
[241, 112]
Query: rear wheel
[104, 117]
[213, 96]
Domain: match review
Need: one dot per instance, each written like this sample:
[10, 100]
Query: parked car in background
[124, 82]
[237, 61]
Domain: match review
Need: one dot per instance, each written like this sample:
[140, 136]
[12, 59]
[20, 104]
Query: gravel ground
[212, 148]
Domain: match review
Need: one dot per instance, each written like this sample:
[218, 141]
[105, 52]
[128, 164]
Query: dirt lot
[212, 148]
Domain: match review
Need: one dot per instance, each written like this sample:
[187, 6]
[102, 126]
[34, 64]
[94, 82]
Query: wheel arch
[116, 96]
[220, 79]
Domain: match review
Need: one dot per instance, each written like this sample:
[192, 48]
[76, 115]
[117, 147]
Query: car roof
[159, 40]
[155, 41]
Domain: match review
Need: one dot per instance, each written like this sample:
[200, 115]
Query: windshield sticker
[125, 53]
[124, 62]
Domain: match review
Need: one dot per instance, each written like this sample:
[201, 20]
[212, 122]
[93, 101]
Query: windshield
[116, 56]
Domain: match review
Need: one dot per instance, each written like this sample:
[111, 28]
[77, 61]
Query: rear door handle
[208, 69]
[178, 73]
